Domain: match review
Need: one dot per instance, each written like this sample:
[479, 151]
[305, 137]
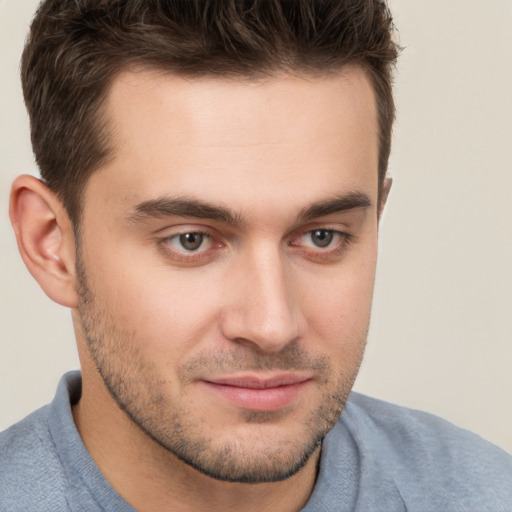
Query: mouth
[255, 393]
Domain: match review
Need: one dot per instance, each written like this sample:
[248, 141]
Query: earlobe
[45, 238]
[384, 193]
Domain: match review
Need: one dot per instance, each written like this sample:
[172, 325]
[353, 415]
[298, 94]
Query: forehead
[240, 139]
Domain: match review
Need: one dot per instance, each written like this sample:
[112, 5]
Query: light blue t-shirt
[378, 458]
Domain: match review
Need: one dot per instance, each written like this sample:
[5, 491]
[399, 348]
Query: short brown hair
[76, 48]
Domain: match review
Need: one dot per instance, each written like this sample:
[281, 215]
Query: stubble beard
[132, 383]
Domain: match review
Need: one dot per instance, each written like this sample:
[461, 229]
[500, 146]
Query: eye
[321, 244]
[321, 238]
[190, 242]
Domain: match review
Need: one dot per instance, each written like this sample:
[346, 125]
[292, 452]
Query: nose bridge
[264, 310]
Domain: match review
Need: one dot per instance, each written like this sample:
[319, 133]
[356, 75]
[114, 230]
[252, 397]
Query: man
[213, 177]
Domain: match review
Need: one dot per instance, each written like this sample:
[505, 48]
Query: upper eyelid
[221, 233]
[334, 231]
[170, 231]
[190, 225]
[328, 225]
[188, 232]
[320, 227]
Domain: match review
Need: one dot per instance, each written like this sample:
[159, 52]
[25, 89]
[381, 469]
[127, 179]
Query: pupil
[322, 237]
[191, 241]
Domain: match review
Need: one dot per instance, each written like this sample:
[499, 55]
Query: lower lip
[256, 399]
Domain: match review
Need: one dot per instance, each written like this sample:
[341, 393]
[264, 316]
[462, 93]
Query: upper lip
[260, 382]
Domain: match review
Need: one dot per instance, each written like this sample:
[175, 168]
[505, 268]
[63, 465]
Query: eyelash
[315, 254]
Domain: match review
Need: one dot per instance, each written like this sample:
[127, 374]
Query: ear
[384, 193]
[45, 238]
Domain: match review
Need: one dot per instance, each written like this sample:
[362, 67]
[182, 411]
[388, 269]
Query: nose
[263, 309]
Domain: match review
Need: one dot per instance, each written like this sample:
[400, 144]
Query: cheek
[338, 311]
[163, 307]
[155, 305]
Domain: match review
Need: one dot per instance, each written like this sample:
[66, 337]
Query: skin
[275, 183]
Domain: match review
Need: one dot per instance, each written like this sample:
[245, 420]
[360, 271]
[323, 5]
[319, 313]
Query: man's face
[227, 261]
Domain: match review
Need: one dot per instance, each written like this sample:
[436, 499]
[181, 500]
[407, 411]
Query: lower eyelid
[183, 256]
[329, 253]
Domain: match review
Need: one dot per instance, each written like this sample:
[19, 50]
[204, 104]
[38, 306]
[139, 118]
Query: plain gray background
[441, 330]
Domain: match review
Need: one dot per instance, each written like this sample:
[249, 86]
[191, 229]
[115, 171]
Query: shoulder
[402, 428]
[29, 463]
[428, 456]
[44, 465]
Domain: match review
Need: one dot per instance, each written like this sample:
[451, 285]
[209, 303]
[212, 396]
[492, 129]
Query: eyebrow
[338, 204]
[183, 207]
[188, 207]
